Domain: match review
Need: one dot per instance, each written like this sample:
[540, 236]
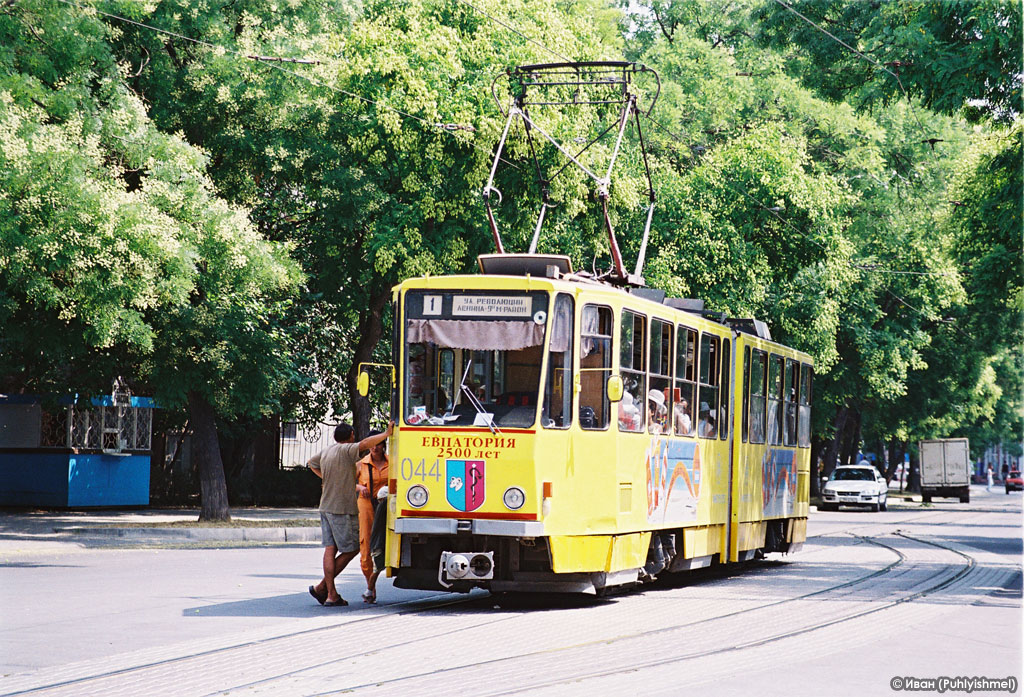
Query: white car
[854, 485]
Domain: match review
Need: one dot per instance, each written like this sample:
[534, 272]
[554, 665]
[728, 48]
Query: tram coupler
[465, 566]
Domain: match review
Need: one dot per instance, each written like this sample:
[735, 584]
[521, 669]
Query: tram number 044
[421, 470]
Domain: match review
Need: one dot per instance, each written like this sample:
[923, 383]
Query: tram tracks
[610, 648]
[262, 673]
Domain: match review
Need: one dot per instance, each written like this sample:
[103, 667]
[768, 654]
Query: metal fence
[110, 428]
[298, 444]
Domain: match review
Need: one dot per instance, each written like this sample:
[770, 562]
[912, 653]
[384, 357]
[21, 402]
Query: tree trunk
[371, 326]
[213, 487]
[817, 443]
[828, 458]
[914, 479]
[897, 449]
[851, 438]
[890, 461]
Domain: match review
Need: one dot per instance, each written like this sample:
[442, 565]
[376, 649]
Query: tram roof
[643, 301]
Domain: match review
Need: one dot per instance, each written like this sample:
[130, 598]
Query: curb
[202, 534]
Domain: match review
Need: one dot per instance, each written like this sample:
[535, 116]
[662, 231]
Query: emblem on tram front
[465, 491]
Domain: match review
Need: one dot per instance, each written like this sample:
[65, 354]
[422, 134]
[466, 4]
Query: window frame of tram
[632, 325]
[804, 406]
[594, 390]
[745, 426]
[708, 367]
[660, 376]
[397, 335]
[773, 401]
[725, 389]
[686, 380]
[789, 397]
[758, 399]
[446, 374]
[435, 368]
[559, 377]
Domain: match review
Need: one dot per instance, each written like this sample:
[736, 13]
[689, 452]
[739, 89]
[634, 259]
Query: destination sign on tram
[494, 305]
[491, 306]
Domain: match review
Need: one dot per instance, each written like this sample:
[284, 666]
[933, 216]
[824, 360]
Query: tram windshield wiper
[487, 417]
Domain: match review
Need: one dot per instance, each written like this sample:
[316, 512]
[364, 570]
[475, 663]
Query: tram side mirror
[615, 388]
[363, 383]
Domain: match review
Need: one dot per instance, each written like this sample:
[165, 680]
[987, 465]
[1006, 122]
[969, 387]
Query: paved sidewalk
[156, 526]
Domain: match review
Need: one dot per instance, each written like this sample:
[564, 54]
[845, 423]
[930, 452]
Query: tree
[882, 306]
[117, 257]
[961, 56]
[369, 192]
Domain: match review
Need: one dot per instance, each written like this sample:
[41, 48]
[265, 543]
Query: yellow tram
[557, 433]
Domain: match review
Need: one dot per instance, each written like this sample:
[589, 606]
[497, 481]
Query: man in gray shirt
[339, 513]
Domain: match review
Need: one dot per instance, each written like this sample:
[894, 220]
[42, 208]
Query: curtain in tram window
[492, 335]
[561, 325]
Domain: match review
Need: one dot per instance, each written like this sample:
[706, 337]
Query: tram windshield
[473, 358]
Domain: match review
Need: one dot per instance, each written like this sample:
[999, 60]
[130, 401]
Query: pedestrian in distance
[372, 479]
[988, 485]
[339, 512]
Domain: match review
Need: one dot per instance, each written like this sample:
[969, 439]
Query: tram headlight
[514, 498]
[417, 496]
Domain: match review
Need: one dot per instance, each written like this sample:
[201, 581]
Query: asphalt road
[918, 592]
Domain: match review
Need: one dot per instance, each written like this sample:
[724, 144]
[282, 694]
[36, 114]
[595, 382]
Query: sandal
[319, 598]
[340, 602]
[370, 597]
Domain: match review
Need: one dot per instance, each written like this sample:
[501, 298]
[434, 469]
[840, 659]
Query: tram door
[593, 445]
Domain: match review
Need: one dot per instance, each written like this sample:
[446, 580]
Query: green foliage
[366, 195]
[876, 186]
[953, 55]
[153, 190]
[116, 256]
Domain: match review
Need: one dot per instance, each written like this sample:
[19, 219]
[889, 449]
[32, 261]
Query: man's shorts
[340, 530]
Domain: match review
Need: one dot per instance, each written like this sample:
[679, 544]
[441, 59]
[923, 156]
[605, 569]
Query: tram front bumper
[451, 526]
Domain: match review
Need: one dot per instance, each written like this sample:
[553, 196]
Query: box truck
[945, 469]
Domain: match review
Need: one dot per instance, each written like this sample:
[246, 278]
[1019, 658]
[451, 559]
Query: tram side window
[758, 373]
[557, 409]
[659, 405]
[595, 366]
[685, 393]
[723, 411]
[634, 374]
[707, 426]
[789, 389]
[775, 400]
[804, 409]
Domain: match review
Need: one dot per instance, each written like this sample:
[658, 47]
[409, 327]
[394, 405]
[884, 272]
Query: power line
[271, 60]
[899, 82]
[434, 124]
[869, 268]
[874, 268]
[514, 30]
[250, 56]
[862, 268]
